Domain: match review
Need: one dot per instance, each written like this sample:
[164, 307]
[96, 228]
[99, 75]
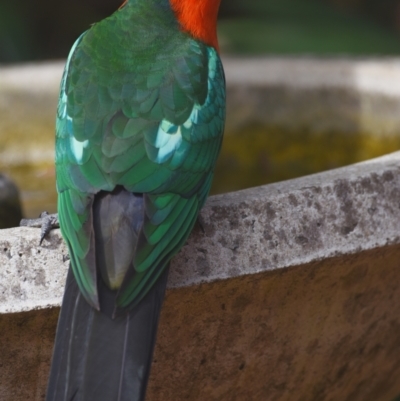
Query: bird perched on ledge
[139, 127]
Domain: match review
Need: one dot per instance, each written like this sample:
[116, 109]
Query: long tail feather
[97, 358]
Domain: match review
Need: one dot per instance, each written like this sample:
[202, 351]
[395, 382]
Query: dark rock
[10, 205]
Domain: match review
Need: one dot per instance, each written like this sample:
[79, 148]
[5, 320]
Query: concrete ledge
[290, 223]
[290, 294]
[31, 276]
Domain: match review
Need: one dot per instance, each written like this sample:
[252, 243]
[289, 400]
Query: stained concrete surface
[291, 293]
[26, 346]
[291, 93]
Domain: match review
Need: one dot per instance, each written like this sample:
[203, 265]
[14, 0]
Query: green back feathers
[142, 105]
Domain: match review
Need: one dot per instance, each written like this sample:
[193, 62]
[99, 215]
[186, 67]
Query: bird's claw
[45, 221]
[50, 221]
[200, 222]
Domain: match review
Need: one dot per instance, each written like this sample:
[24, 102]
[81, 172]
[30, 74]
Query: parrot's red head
[199, 18]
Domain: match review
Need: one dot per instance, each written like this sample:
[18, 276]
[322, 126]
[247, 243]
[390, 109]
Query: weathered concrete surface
[26, 345]
[322, 331]
[290, 294]
[314, 94]
[286, 224]
[31, 276]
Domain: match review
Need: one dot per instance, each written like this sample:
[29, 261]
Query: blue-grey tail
[97, 358]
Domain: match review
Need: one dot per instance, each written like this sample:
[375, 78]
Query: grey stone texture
[289, 294]
[32, 276]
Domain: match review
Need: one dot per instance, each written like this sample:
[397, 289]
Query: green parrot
[139, 127]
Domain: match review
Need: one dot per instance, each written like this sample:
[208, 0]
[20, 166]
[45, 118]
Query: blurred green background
[45, 29]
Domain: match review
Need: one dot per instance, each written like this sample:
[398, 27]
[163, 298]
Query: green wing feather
[149, 119]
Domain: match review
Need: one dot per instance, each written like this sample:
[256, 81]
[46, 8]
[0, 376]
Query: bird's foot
[46, 222]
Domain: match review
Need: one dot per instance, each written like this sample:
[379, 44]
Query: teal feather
[139, 127]
[145, 112]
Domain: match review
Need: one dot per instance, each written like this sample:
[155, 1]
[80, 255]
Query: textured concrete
[290, 294]
[286, 224]
[31, 276]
